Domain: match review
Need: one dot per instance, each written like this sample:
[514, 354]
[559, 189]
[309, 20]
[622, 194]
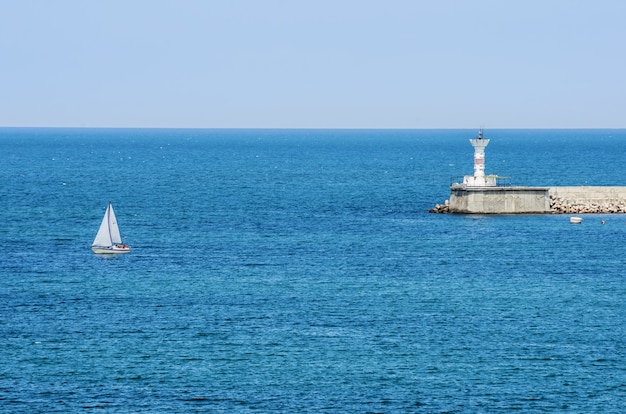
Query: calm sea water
[299, 271]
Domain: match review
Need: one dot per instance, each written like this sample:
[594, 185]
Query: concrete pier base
[499, 200]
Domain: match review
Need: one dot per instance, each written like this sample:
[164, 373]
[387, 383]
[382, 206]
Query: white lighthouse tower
[479, 179]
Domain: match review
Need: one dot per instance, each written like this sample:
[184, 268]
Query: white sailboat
[108, 240]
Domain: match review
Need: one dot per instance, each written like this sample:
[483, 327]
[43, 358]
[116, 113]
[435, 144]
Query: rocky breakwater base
[588, 200]
[441, 208]
[560, 206]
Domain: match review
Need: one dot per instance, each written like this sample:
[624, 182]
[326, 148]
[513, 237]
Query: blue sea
[300, 271]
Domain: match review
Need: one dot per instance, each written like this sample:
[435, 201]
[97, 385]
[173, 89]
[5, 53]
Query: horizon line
[313, 128]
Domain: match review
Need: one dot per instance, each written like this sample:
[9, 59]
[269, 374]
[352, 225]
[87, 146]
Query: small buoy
[603, 222]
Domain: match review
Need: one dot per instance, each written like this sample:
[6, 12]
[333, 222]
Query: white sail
[116, 238]
[109, 232]
[103, 238]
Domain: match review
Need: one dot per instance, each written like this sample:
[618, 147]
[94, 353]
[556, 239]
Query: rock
[560, 206]
[440, 209]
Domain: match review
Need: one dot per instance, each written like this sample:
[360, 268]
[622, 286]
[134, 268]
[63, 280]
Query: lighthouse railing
[501, 181]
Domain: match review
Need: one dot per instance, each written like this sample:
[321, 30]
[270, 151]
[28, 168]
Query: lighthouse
[479, 179]
[479, 194]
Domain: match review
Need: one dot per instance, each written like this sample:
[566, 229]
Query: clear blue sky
[313, 63]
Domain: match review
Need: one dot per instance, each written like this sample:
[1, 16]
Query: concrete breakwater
[535, 200]
[587, 200]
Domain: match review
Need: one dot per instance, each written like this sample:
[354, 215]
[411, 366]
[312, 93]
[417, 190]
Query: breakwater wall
[534, 200]
[587, 199]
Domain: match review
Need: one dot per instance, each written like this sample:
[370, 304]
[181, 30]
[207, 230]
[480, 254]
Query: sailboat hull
[110, 249]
